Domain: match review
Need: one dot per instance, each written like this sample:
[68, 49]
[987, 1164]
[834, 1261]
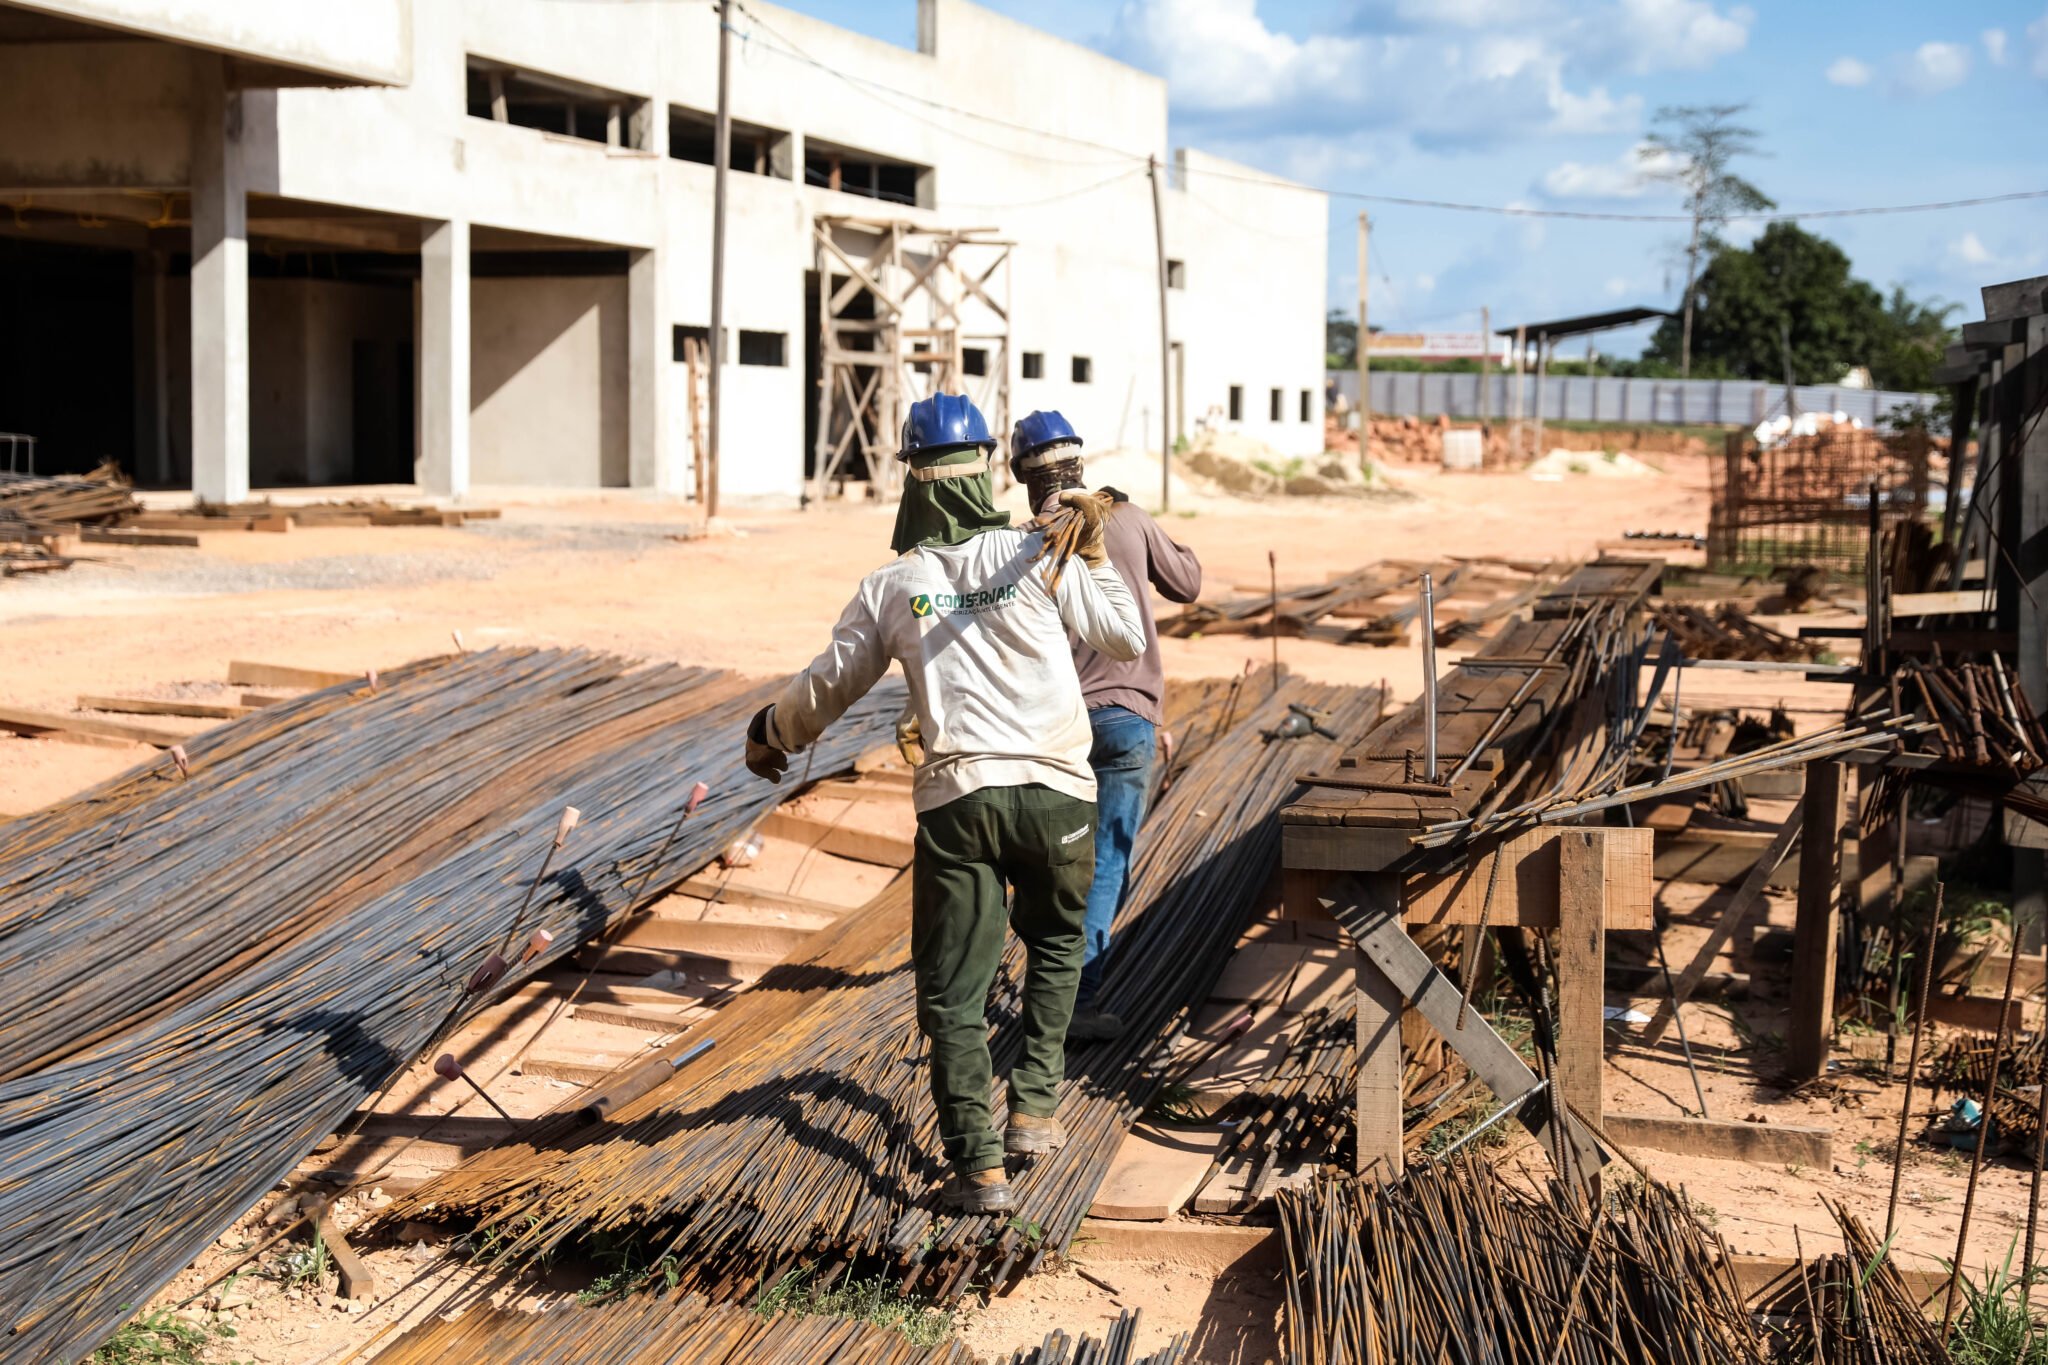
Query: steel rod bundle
[809, 1136]
[120, 1163]
[118, 905]
[1729, 633]
[1980, 716]
[1451, 1266]
[1855, 1308]
[690, 1330]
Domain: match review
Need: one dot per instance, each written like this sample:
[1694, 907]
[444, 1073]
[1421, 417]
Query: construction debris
[63, 501]
[1378, 604]
[1729, 633]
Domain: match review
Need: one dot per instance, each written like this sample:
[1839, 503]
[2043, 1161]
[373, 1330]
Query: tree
[1340, 340]
[1693, 151]
[1912, 337]
[1787, 299]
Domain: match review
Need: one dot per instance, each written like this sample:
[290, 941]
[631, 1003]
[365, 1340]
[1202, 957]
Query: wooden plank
[1381, 1063]
[732, 893]
[121, 535]
[1966, 601]
[1978, 1013]
[1154, 1173]
[1259, 971]
[1732, 915]
[1812, 1025]
[358, 1281]
[1766, 1144]
[1583, 888]
[246, 673]
[1373, 917]
[1340, 848]
[1777, 1277]
[637, 1016]
[710, 938]
[564, 1069]
[1526, 891]
[259, 700]
[1719, 857]
[2027, 977]
[27, 722]
[859, 845]
[142, 706]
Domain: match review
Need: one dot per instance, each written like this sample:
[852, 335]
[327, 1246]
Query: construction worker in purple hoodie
[1123, 696]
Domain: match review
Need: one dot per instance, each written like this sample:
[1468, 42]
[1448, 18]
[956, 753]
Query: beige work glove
[1091, 508]
[910, 738]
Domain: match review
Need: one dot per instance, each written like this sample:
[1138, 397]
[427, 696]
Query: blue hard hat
[1039, 430]
[943, 422]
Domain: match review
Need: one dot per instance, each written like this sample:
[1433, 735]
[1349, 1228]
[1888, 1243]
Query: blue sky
[1541, 103]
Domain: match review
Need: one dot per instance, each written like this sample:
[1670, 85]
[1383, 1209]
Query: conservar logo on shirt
[981, 599]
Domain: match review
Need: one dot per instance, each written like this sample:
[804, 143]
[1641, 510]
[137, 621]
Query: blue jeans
[1122, 759]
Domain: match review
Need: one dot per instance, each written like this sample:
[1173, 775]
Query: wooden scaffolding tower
[900, 307]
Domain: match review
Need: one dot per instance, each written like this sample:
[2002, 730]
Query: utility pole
[721, 154]
[1485, 367]
[1165, 346]
[1364, 346]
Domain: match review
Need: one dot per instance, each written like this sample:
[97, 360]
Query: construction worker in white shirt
[1004, 794]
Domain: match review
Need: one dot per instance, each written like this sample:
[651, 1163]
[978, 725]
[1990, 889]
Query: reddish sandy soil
[760, 594]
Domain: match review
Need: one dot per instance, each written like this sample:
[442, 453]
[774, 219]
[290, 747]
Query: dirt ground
[759, 593]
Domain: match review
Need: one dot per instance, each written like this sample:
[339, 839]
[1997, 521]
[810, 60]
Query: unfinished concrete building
[451, 242]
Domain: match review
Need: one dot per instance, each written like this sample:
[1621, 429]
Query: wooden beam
[1372, 915]
[143, 706]
[244, 673]
[1814, 933]
[1766, 1144]
[1155, 1172]
[1526, 892]
[358, 1281]
[1381, 1064]
[26, 722]
[862, 846]
[122, 535]
[1583, 887]
[1732, 916]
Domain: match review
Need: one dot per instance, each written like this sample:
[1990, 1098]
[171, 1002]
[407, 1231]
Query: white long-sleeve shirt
[984, 649]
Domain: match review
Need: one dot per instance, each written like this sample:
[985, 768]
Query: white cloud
[1934, 67]
[1680, 34]
[1593, 112]
[2037, 39]
[1626, 177]
[1968, 250]
[1994, 45]
[1425, 283]
[1219, 54]
[1616, 286]
[1848, 71]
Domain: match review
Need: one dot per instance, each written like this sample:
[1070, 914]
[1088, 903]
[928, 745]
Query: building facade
[460, 242]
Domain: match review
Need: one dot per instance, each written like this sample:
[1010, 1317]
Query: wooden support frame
[1814, 933]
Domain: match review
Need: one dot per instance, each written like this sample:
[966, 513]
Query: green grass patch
[877, 1301]
[159, 1338]
[1995, 1328]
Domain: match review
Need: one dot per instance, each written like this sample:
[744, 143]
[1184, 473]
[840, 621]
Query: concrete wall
[368, 40]
[126, 120]
[302, 335]
[548, 381]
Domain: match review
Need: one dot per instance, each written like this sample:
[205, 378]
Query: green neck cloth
[945, 511]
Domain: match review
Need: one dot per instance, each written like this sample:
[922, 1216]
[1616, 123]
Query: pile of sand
[1604, 464]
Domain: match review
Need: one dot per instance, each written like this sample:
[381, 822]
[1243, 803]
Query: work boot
[982, 1192]
[1028, 1136]
[1094, 1026]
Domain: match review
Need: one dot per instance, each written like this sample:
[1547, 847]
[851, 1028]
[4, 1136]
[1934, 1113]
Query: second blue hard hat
[1039, 432]
[943, 422]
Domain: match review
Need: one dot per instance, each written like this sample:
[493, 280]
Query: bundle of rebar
[1854, 1308]
[120, 903]
[809, 1136]
[690, 1330]
[123, 1160]
[65, 500]
[1964, 1067]
[1451, 1266]
[1342, 608]
[1981, 718]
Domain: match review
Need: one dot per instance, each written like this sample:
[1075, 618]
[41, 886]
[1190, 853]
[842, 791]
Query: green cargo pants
[1042, 843]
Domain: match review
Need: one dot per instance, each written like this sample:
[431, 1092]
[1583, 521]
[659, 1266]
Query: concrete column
[651, 373]
[220, 289]
[444, 359]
